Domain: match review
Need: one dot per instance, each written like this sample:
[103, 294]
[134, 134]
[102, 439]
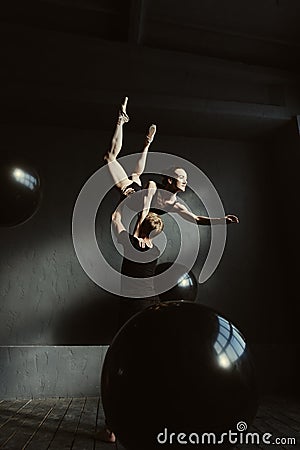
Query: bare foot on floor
[106, 435]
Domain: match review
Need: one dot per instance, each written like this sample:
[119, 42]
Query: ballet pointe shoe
[151, 133]
[123, 116]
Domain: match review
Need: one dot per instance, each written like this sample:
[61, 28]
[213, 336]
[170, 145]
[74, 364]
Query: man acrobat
[137, 273]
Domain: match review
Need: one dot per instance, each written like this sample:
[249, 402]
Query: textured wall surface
[75, 371]
[49, 371]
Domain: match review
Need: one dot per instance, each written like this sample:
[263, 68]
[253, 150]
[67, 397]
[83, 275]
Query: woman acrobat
[158, 198]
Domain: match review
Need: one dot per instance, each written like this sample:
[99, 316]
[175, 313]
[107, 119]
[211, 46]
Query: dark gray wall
[46, 296]
[50, 371]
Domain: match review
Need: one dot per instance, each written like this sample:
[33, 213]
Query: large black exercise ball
[177, 367]
[20, 193]
[185, 283]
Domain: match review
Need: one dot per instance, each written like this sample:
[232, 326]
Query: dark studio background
[221, 81]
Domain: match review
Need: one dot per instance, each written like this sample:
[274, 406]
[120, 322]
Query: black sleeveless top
[132, 201]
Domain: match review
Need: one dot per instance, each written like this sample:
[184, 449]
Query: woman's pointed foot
[123, 116]
[151, 133]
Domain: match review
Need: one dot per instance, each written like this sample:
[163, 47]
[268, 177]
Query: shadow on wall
[93, 323]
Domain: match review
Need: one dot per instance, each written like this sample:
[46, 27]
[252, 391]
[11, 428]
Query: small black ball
[20, 193]
[186, 286]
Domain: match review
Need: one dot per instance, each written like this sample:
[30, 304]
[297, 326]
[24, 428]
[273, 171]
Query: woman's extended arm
[203, 220]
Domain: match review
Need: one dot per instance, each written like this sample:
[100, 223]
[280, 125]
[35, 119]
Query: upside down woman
[159, 197]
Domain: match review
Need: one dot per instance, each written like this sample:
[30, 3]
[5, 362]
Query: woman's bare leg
[117, 172]
[117, 139]
[141, 163]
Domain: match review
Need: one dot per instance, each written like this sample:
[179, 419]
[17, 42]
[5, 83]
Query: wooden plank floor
[71, 423]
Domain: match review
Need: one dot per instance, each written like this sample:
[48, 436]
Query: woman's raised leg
[141, 162]
[117, 172]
